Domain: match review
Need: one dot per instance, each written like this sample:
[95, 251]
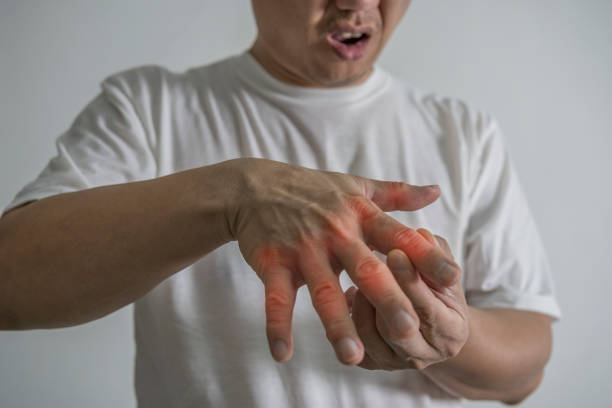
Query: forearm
[75, 257]
[503, 359]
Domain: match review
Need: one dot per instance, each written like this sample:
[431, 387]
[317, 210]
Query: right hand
[298, 226]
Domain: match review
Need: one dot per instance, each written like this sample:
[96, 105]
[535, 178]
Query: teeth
[346, 35]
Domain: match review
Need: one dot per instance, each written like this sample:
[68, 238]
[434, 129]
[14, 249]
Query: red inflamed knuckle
[277, 306]
[369, 272]
[324, 296]
[406, 237]
[266, 256]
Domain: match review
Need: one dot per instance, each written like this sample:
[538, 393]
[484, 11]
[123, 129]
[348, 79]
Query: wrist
[220, 194]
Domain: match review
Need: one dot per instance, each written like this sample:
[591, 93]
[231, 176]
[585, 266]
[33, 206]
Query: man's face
[323, 43]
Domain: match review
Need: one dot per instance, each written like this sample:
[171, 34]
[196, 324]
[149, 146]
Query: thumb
[398, 196]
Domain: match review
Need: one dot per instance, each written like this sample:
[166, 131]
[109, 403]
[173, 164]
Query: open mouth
[349, 45]
[350, 38]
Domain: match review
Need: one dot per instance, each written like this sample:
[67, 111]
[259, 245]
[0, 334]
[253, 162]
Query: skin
[301, 55]
[302, 230]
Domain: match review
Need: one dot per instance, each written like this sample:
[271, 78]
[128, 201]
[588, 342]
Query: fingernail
[347, 350]
[399, 264]
[403, 322]
[279, 350]
[447, 272]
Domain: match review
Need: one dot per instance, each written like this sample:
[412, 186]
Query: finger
[436, 240]
[280, 298]
[443, 244]
[428, 236]
[398, 196]
[376, 282]
[364, 316]
[422, 298]
[386, 233]
[423, 301]
[349, 294]
[437, 320]
[330, 303]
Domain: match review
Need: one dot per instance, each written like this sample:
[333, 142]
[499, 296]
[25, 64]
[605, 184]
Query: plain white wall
[542, 68]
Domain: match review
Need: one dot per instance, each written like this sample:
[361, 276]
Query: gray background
[541, 67]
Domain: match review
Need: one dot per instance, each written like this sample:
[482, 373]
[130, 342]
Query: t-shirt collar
[251, 72]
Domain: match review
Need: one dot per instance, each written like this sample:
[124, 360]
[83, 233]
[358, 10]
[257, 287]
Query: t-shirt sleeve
[106, 144]
[505, 262]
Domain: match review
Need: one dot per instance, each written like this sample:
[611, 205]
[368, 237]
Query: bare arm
[503, 359]
[75, 257]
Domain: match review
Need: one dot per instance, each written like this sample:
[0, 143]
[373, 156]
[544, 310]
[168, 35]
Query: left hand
[439, 326]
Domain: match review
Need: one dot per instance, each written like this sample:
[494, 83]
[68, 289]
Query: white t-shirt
[200, 335]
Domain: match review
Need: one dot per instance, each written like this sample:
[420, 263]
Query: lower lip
[348, 52]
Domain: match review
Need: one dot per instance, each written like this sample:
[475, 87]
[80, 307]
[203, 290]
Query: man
[162, 172]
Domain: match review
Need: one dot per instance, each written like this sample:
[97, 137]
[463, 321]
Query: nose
[356, 5]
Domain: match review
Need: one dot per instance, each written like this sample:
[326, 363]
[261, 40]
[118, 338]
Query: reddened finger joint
[369, 273]
[278, 308]
[406, 238]
[324, 296]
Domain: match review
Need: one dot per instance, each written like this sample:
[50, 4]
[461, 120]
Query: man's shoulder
[156, 81]
[437, 104]
[449, 114]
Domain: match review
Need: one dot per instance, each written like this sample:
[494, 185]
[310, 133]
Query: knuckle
[343, 232]
[265, 256]
[452, 349]
[362, 207]
[277, 306]
[397, 338]
[400, 336]
[406, 237]
[277, 300]
[369, 271]
[396, 189]
[324, 296]
[418, 364]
